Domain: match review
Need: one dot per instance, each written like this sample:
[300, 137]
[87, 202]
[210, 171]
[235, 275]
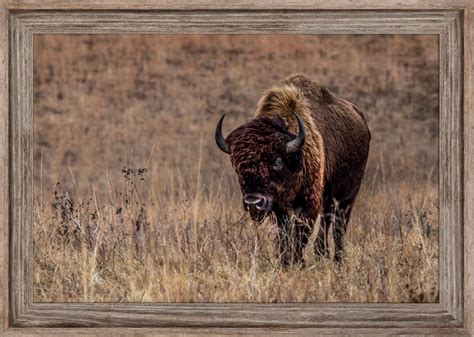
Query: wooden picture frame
[450, 20]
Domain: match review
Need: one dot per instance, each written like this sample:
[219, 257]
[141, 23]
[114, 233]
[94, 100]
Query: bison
[301, 157]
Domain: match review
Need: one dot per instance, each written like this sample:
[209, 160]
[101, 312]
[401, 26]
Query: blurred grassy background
[106, 106]
[103, 101]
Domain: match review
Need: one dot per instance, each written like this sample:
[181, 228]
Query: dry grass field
[134, 202]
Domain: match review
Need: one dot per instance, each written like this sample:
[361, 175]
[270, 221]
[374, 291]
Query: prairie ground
[135, 203]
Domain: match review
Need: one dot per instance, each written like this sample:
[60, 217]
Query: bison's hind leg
[321, 247]
[337, 214]
[342, 215]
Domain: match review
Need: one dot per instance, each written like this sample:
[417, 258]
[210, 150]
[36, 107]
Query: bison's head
[268, 161]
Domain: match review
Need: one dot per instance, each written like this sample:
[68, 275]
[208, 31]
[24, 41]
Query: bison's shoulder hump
[281, 99]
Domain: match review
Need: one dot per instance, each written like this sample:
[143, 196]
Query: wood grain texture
[239, 22]
[469, 173]
[292, 315]
[456, 160]
[4, 162]
[451, 167]
[20, 177]
[236, 4]
[204, 331]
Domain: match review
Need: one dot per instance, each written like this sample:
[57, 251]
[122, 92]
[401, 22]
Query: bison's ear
[294, 161]
[297, 144]
[220, 140]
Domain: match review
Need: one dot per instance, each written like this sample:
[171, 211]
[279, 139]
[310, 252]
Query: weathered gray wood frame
[450, 316]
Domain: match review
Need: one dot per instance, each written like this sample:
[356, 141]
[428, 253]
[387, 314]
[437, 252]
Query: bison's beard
[257, 215]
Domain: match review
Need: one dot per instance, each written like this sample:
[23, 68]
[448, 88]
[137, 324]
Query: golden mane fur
[282, 100]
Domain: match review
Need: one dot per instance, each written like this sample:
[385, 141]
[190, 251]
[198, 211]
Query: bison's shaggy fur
[281, 101]
[323, 178]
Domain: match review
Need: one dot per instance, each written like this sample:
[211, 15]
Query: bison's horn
[220, 140]
[297, 143]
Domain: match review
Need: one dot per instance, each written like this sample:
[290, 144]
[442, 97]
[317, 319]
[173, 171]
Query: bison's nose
[255, 200]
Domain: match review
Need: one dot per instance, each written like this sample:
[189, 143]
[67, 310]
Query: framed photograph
[236, 168]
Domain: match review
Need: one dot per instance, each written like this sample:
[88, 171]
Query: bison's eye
[277, 164]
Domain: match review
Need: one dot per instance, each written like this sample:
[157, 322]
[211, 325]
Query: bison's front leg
[284, 243]
[293, 235]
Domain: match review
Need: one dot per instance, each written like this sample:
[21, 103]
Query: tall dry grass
[148, 209]
[164, 237]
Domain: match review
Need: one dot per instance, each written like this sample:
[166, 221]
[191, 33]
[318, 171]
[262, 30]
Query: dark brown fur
[323, 178]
